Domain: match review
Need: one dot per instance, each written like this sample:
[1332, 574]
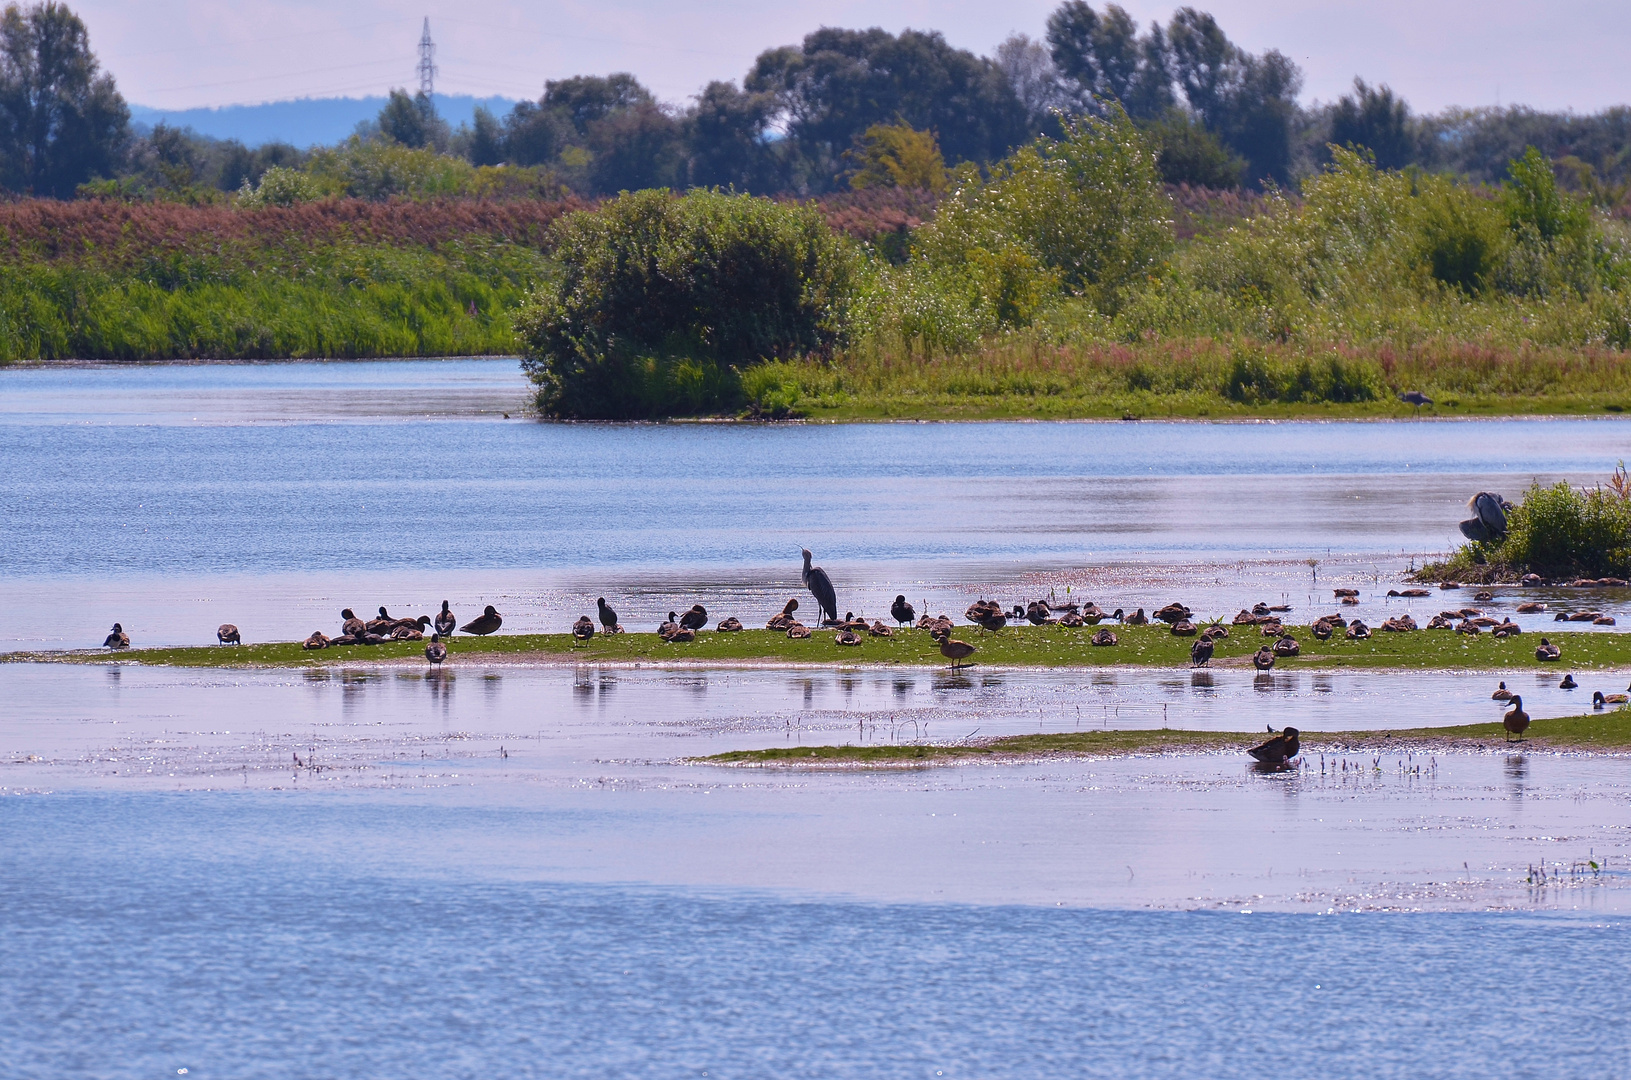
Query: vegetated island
[1602, 732]
[1012, 647]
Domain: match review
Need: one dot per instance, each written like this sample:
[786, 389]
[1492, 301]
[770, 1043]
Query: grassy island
[1014, 646]
[1606, 731]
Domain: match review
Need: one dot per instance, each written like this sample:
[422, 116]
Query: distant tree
[486, 146]
[1034, 79]
[534, 135]
[1377, 121]
[1102, 56]
[635, 148]
[1186, 153]
[897, 156]
[1205, 63]
[61, 121]
[839, 82]
[401, 120]
[584, 99]
[725, 133]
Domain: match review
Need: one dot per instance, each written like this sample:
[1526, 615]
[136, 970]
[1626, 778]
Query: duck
[1501, 693]
[1341, 593]
[852, 624]
[1279, 749]
[1264, 659]
[695, 619]
[1533, 607]
[669, 626]
[345, 639]
[485, 623]
[1183, 628]
[683, 635]
[608, 617]
[1287, 646]
[117, 638]
[367, 638]
[1137, 618]
[1173, 612]
[382, 625]
[1358, 631]
[1568, 682]
[846, 637]
[352, 626]
[1599, 699]
[1037, 613]
[408, 632]
[730, 625]
[227, 634]
[901, 611]
[955, 651]
[583, 629]
[435, 651]
[798, 631]
[318, 640]
[1322, 629]
[445, 622]
[1515, 720]
[1216, 631]
[1200, 653]
[1547, 651]
[1105, 636]
[784, 618]
[1072, 619]
[878, 629]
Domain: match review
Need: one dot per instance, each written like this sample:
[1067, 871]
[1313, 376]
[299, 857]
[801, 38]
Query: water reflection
[1516, 768]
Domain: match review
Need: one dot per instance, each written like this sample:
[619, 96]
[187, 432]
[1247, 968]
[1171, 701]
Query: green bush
[1254, 380]
[1561, 531]
[661, 300]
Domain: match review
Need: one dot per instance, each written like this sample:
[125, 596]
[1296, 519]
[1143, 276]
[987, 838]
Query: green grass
[1605, 731]
[1022, 646]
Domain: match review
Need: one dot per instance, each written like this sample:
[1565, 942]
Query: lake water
[513, 871]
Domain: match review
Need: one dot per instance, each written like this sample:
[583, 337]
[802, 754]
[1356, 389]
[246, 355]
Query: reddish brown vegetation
[876, 212]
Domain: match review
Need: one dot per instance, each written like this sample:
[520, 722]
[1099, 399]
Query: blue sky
[181, 53]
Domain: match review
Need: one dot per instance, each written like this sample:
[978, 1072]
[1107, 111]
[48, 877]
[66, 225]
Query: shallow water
[173, 498]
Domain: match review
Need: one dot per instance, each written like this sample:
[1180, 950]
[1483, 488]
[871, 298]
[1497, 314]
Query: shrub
[1561, 531]
[660, 300]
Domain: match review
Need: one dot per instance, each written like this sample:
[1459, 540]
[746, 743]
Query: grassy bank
[1607, 731]
[1024, 646]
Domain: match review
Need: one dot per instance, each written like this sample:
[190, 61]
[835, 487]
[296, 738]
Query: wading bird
[1515, 720]
[485, 623]
[955, 651]
[820, 586]
[445, 622]
[117, 639]
[1201, 652]
[1278, 750]
[901, 611]
[435, 651]
[1416, 398]
[608, 617]
[227, 634]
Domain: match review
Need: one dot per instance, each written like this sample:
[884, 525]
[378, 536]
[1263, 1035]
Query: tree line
[798, 122]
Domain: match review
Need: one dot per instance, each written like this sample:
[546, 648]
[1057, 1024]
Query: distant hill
[305, 122]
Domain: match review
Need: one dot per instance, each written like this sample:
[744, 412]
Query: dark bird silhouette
[227, 634]
[485, 623]
[1568, 682]
[435, 651]
[1416, 398]
[117, 639]
[608, 617]
[583, 629]
[1278, 750]
[955, 651]
[901, 611]
[445, 622]
[352, 626]
[820, 586]
[1515, 720]
[318, 640]
[1201, 652]
[696, 618]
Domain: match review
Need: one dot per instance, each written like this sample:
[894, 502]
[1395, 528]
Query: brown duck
[485, 623]
[1515, 720]
[1278, 750]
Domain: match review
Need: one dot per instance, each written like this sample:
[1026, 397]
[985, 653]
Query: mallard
[1105, 636]
[227, 634]
[1515, 720]
[485, 623]
[352, 626]
[318, 640]
[1200, 653]
[730, 625]
[583, 629]
[955, 651]
[1278, 750]
[901, 611]
[1264, 659]
[1547, 651]
[1501, 693]
[117, 638]
[1568, 682]
[445, 622]
[846, 637]
[435, 651]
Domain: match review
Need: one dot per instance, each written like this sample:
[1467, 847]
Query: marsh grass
[1023, 646]
[1607, 731]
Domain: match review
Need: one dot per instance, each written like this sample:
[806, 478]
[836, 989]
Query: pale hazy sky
[181, 53]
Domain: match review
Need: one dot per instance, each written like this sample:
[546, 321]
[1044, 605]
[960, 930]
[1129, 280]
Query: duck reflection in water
[1517, 774]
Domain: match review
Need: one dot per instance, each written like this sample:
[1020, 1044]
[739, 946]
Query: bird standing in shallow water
[445, 622]
[485, 623]
[117, 639]
[820, 586]
[435, 651]
[955, 651]
[1201, 651]
[1515, 720]
[1278, 750]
